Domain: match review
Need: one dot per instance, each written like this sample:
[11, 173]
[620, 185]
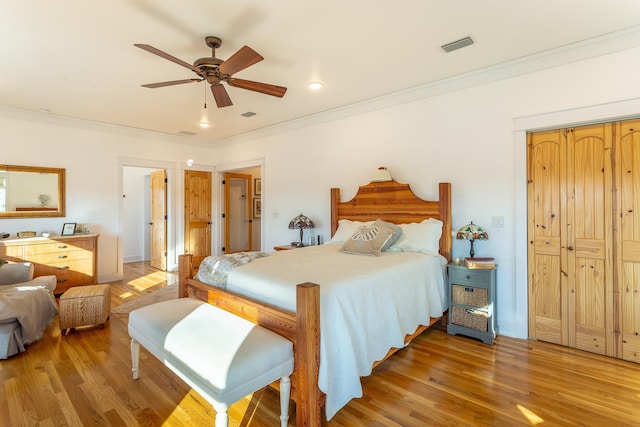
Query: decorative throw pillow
[346, 228]
[16, 273]
[396, 229]
[367, 240]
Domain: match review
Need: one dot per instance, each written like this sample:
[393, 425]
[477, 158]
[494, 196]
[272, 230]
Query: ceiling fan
[215, 71]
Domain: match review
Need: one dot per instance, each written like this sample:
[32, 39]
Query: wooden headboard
[396, 203]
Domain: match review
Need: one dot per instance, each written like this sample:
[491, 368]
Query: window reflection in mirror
[29, 191]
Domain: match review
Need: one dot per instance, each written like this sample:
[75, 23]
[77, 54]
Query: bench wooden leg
[135, 358]
[285, 395]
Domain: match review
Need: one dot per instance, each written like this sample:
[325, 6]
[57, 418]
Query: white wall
[467, 137]
[93, 157]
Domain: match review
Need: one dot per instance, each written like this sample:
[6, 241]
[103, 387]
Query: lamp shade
[300, 222]
[472, 232]
[381, 174]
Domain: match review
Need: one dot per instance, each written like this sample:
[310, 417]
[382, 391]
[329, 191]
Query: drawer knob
[62, 256]
[61, 280]
[468, 289]
[468, 277]
[62, 246]
[62, 267]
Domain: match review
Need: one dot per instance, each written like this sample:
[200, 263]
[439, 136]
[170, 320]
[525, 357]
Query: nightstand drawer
[468, 295]
[469, 318]
[467, 276]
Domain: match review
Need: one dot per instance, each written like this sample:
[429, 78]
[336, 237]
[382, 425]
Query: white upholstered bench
[220, 355]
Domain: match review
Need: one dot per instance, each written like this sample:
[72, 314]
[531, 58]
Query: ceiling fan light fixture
[315, 85]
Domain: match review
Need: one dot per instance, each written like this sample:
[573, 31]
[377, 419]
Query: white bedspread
[367, 304]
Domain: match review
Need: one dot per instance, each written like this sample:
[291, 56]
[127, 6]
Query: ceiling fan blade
[265, 88]
[171, 83]
[221, 96]
[165, 55]
[240, 60]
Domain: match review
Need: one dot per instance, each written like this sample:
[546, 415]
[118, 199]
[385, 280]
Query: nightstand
[285, 247]
[472, 303]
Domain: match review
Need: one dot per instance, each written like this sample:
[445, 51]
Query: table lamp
[300, 222]
[472, 232]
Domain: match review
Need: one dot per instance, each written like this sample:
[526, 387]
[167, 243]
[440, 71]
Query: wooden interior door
[590, 239]
[237, 212]
[546, 210]
[197, 215]
[159, 219]
[628, 247]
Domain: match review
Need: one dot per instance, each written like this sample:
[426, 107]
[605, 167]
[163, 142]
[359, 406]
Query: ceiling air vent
[248, 114]
[187, 133]
[458, 44]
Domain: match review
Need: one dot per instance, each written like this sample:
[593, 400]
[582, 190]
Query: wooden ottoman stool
[85, 305]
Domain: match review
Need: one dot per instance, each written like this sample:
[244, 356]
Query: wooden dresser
[72, 259]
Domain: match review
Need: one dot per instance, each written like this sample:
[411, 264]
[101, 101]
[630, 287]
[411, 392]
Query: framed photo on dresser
[68, 229]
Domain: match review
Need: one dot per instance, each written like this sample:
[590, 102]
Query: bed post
[185, 271]
[445, 215]
[307, 355]
[335, 199]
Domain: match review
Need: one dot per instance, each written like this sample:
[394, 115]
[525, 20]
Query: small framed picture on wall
[257, 208]
[257, 186]
[68, 229]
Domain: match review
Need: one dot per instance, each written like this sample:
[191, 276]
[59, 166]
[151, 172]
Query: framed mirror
[31, 192]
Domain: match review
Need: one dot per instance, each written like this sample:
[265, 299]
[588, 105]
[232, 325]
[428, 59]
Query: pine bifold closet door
[628, 241]
[570, 235]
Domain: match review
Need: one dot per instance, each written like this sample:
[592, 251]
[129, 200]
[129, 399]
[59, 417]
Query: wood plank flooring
[84, 379]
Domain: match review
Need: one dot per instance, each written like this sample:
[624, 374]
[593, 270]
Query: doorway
[139, 239]
[237, 215]
[241, 210]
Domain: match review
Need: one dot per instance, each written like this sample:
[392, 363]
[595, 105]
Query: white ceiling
[76, 58]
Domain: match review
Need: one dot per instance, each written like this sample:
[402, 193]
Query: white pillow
[419, 237]
[345, 230]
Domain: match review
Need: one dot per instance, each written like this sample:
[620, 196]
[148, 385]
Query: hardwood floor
[84, 379]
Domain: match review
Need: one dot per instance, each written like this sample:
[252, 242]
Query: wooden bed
[390, 201]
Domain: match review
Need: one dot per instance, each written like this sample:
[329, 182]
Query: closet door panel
[629, 236]
[589, 233]
[546, 278]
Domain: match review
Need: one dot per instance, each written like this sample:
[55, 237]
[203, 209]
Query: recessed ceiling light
[44, 110]
[314, 85]
[204, 124]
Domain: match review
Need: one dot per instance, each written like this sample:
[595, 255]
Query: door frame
[219, 206]
[586, 115]
[228, 176]
[170, 168]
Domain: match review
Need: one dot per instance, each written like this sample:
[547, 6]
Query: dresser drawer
[467, 276]
[11, 253]
[468, 295]
[58, 257]
[470, 318]
[59, 247]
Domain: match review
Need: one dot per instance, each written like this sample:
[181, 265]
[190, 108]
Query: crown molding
[583, 50]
